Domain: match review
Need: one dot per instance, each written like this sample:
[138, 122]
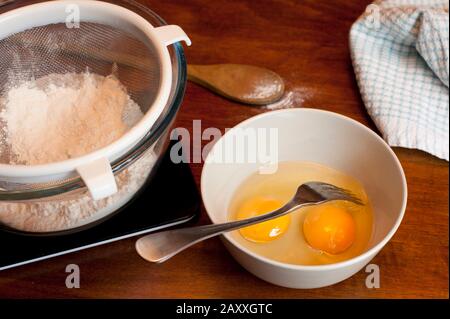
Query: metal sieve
[72, 36]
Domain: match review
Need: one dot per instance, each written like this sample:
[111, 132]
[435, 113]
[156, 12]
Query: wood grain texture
[307, 43]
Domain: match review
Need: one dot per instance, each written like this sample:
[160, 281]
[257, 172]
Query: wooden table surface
[307, 43]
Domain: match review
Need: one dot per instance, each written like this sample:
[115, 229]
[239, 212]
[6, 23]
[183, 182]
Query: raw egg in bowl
[318, 245]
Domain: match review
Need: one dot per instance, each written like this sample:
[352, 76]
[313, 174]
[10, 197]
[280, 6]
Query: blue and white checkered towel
[400, 53]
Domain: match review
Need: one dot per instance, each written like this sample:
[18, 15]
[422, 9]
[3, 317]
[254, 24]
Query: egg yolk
[329, 228]
[265, 231]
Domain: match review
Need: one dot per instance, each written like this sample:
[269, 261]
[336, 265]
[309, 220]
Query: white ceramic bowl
[326, 138]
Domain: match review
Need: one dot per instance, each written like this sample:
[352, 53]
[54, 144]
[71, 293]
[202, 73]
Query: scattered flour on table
[58, 117]
[291, 98]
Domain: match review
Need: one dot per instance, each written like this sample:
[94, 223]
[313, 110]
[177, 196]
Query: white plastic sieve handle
[169, 34]
[99, 178]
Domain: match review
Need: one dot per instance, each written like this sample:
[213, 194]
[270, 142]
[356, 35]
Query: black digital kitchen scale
[153, 208]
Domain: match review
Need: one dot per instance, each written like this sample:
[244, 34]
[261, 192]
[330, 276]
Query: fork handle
[159, 247]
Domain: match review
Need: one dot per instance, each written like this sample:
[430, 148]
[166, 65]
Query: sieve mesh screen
[55, 48]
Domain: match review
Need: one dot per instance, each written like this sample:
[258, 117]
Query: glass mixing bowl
[66, 206]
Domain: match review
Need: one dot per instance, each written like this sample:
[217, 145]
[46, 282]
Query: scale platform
[153, 208]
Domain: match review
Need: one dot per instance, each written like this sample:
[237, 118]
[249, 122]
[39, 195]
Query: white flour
[63, 116]
[59, 117]
[291, 98]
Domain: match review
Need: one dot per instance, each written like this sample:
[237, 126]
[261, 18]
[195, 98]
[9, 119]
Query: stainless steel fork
[159, 247]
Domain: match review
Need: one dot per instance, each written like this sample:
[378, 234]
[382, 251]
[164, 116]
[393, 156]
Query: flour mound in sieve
[61, 116]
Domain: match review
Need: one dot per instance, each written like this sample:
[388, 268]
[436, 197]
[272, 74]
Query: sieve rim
[113, 150]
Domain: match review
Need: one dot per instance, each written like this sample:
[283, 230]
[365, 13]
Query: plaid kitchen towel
[400, 54]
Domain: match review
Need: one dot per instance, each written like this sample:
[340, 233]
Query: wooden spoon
[242, 83]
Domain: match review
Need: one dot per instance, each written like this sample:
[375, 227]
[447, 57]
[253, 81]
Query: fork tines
[333, 192]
